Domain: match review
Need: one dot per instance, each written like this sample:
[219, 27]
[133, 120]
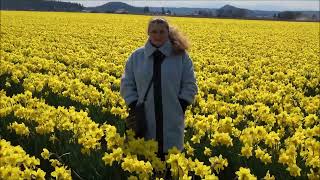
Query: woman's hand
[132, 106]
[184, 104]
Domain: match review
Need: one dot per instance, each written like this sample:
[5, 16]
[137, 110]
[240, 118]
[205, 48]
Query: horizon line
[268, 5]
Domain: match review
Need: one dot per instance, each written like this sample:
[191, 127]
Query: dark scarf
[158, 58]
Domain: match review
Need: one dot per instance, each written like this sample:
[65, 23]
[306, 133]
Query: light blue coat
[178, 80]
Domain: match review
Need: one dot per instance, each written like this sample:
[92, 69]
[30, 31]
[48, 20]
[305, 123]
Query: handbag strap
[145, 96]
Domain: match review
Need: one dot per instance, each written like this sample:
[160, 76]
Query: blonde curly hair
[179, 41]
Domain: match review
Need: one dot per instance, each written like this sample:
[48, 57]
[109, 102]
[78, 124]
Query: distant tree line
[40, 5]
[55, 5]
[292, 15]
[289, 15]
[205, 13]
[146, 9]
[235, 13]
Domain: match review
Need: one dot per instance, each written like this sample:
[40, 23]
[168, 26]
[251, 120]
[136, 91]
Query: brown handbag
[136, 119]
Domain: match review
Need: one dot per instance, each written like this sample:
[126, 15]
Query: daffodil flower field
[256, 115]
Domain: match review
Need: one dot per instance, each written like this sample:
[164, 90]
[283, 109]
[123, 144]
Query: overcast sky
[312, 5]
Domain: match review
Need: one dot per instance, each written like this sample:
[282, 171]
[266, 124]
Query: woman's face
[158, 34]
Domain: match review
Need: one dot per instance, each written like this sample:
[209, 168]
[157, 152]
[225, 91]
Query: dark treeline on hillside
[40, 5]
[293, 15]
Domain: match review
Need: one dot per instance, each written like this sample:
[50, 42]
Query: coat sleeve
[128, 88]
[189, 87]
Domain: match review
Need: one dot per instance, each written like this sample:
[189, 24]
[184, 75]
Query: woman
[174, 85]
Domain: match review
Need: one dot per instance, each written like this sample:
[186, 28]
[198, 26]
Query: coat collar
[166, 48]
